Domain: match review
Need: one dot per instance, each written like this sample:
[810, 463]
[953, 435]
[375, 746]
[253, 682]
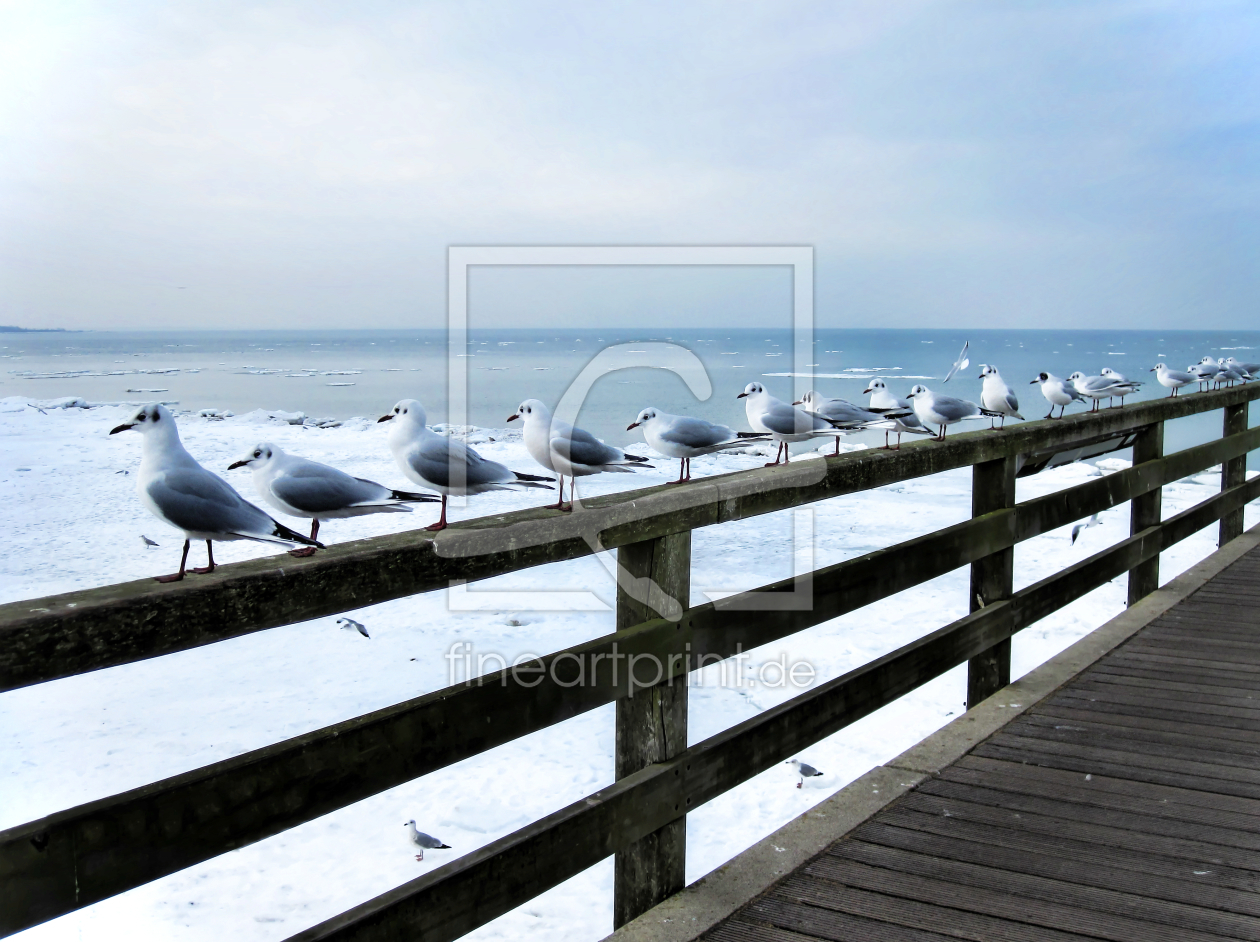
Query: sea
[337, 374]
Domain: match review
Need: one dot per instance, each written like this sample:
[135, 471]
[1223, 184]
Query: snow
[72, 521]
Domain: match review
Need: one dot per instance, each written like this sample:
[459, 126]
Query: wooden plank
[1175, 710]
[1191, 684]
[907, 911]
[992, 577]
[1174, 695]
[1052, 863]
[58, 636]
[1145, 511]
[1219, 680]
[1194, 874]
[1135, 656]
[1241, 751]
[739, 930]
[816, 922]
[1063, 714]
[1233, 471]
[1038, 910]
[653, 581]
[1120, 705]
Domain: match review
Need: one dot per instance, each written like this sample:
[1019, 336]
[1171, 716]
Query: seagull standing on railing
[996, 396]
[1058, 392]
[424, 841]
[182, 493]
[568, 450]
[1173, 379]
[1251, 369]
[1097, 387]
[942, 411]
[782, 422]
[845, 414]
[443, 464]
[1124, 386]
[685, 437]
[300, 487]
[885, 401]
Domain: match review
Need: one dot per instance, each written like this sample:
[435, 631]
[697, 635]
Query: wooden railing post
[651, 725]
[992, 578]
[1233, 471]
[1146, 511]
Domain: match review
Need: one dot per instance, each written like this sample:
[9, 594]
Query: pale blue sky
[983, 164]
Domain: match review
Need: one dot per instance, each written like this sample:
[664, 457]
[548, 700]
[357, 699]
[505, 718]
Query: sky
[1017, 164]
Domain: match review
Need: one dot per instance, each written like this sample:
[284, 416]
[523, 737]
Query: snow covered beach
[72, 520]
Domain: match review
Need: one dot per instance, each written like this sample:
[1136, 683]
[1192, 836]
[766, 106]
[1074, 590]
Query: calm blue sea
[339, 374]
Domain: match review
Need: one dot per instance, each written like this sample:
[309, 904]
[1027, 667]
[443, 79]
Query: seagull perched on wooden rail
[685, 437]
[935, 409]
[1058, 392]
[1173, 379]
[845, 414]
[882, 399]
[179, 491]
[996, 396]
[783, 422]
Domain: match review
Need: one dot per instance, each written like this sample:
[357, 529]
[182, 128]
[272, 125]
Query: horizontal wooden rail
[80, 856]
[468, 892]
[62, 635]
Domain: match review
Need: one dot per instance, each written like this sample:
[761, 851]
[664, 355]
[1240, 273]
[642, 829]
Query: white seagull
[844, 414]
[568, 450]
[1173, 379]
[960, 364]
[1097, 387]
[1058, 392]
[1124, 385]
[883, 400]
[996, 396]
[804, 770]
[300, 487]
[1207, 368]
[782, 422]
[1251, 369]
[182, 493]
[685, 437]
[935, 409]
[424, 841]
[349, 624]
[1091, 522]
[443, 464]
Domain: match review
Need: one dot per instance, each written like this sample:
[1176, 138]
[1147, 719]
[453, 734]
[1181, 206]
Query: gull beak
[1152, 370]
[866, 390]
[385, 418]
[121, 428]
[1033, 382]
[632, 425]
[237, 464]
[513, 417]
[798, 402]
[741, 395]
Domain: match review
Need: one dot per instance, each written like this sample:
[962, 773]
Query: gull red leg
[305, 551]
[441, 524]
[209, 567]
[559, 504]
[183, 561]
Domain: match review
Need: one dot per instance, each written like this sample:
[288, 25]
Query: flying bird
[960, 364]
[1091, 522]
[349, 624]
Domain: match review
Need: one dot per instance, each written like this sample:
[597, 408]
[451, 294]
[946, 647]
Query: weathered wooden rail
[76, 857]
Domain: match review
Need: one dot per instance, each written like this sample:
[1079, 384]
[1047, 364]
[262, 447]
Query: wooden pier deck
[1125, 806]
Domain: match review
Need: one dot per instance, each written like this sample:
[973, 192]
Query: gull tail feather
[416, 498]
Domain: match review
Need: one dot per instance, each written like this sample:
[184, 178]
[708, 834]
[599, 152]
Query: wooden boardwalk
[1126, 807]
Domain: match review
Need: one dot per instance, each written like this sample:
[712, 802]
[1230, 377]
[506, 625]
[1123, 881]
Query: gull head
[1159, 366]
[1041, 378]
[646, 416]
[150, 418]
[918, 391]
[257, 457]
[809, 399]
[873, 385]
[987, 370]
[529, 408]
[752, 389]
[408, 411]
[1077, 375]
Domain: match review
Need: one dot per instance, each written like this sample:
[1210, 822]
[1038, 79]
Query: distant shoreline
[9, 329]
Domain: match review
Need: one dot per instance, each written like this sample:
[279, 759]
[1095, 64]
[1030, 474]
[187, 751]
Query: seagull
[782, 422]
[443, 464]
[1058, 392]
[845, 414]
[935, 409]
[960, 364]
[1251, 369]
[803, 769]
[882, 399]
[1091, 522]
[1207, 368]
[1231, 375]
[182, 493]
[567, 450]
[996, 396]
[300, 487]
[1125, 386]
[349, 624]
[1095, 387]
[1173, 379]
[424, 841]
[148, 544]
[684, 437]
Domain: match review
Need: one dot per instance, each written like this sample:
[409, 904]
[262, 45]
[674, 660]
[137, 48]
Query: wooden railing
[77, 857]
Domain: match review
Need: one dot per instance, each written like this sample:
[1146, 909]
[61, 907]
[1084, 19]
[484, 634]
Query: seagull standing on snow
[884, 401]
[182, 493]
[300, 487]
[782, 422]
[424, 841]
[1173, 379]
[1058, 392]
[804, 770]
[567, 450]
[443, 464]
[935, 409]
[685, 437]
[844, 414]
[996, 396]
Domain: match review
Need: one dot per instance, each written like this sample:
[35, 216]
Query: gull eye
[258, 454]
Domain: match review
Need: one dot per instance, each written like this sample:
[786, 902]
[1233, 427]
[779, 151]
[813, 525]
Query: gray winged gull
[685, 437]
[996, 396]
[182, 493]
[935, 409]
[882, 399]
[804, 769]
[783, 422]
[424, 841]
[1058, 392]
